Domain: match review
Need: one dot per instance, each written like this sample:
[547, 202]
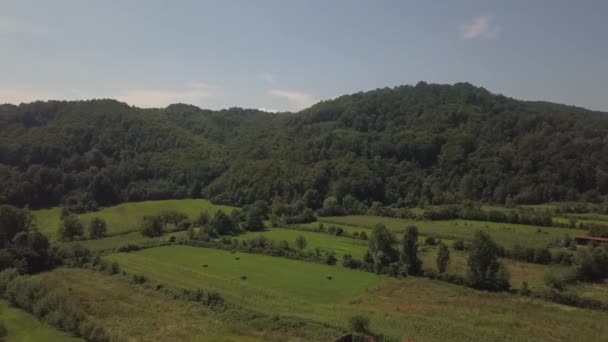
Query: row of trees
[484, 270]
[72, 229]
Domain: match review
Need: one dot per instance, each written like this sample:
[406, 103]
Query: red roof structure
[583, 240]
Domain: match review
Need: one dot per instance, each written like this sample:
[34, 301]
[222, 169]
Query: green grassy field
[23, 327]
[112, 243]
[144, 315]
[126, 217]
[329, 243]
[417, 308]
[505, 234]
[266, 276]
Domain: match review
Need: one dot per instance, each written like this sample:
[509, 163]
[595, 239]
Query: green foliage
[443, 258]
[152, 226]
[592, 263]
[484, 270]
[30, 251]
[301, 242]
[398, 146]
[31, 295]
[331, 207]
[409, 251]
[222, 224]
[97, 228]
[71, 228]
[381, 247]
[359, 324]
[13, 221]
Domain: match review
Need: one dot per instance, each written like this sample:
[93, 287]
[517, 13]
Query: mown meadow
[507, 234]
[126, 217]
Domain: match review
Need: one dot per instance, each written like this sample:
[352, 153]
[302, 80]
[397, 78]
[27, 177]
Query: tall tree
[409, 252]
[443, 258]
[381, 247]
[484, 270]
[97, 228]
[71, 228]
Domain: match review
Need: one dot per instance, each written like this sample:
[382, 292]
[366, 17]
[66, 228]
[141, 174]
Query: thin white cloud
[270, 78]
[16, 95]
[268, 110]
[298, 99]
[480, 27]
[195, 93]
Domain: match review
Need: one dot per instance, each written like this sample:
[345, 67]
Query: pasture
[267, 277]
[146, 315]
[326, 242]
[112, 243]
[418, 308]
[505, 234]
[126, 217]
[23, 327]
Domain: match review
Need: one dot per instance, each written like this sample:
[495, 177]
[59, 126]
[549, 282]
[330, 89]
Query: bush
[350, 262]
[359, 324]
[128, 248]
[458, 245]
[431, 241]
[330, 259]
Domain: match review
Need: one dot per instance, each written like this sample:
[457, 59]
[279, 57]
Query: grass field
[112, 243]
[329, 243]
[505, 234]
[533, 274]
[23, 327]
[145, 315]
[421, 309]
[126, 217]
[266, 276]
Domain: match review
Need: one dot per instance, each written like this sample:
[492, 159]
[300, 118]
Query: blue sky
[286, 55]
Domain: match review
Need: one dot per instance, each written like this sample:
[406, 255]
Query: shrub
[97, 228]
[128, 248]
[431, 241]
[458, 245]
[359, 324]
[330, 259]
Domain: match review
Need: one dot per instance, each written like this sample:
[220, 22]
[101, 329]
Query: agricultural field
[267, 276]
[505, 234]
[126, 217]
[417, 308]
[325, 242]
[23, 327]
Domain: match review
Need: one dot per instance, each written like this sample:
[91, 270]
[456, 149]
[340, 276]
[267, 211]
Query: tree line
[400, 147]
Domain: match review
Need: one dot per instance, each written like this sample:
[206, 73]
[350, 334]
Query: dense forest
[404, 146]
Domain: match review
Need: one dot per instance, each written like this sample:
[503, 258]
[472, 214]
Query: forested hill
[401, 146]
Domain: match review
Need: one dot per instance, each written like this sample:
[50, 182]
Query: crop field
[505, 234]
[330, 243]
[418, 308]
[126, 217]
[23, 327]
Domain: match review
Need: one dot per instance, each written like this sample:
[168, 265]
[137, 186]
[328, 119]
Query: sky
[286, 55]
